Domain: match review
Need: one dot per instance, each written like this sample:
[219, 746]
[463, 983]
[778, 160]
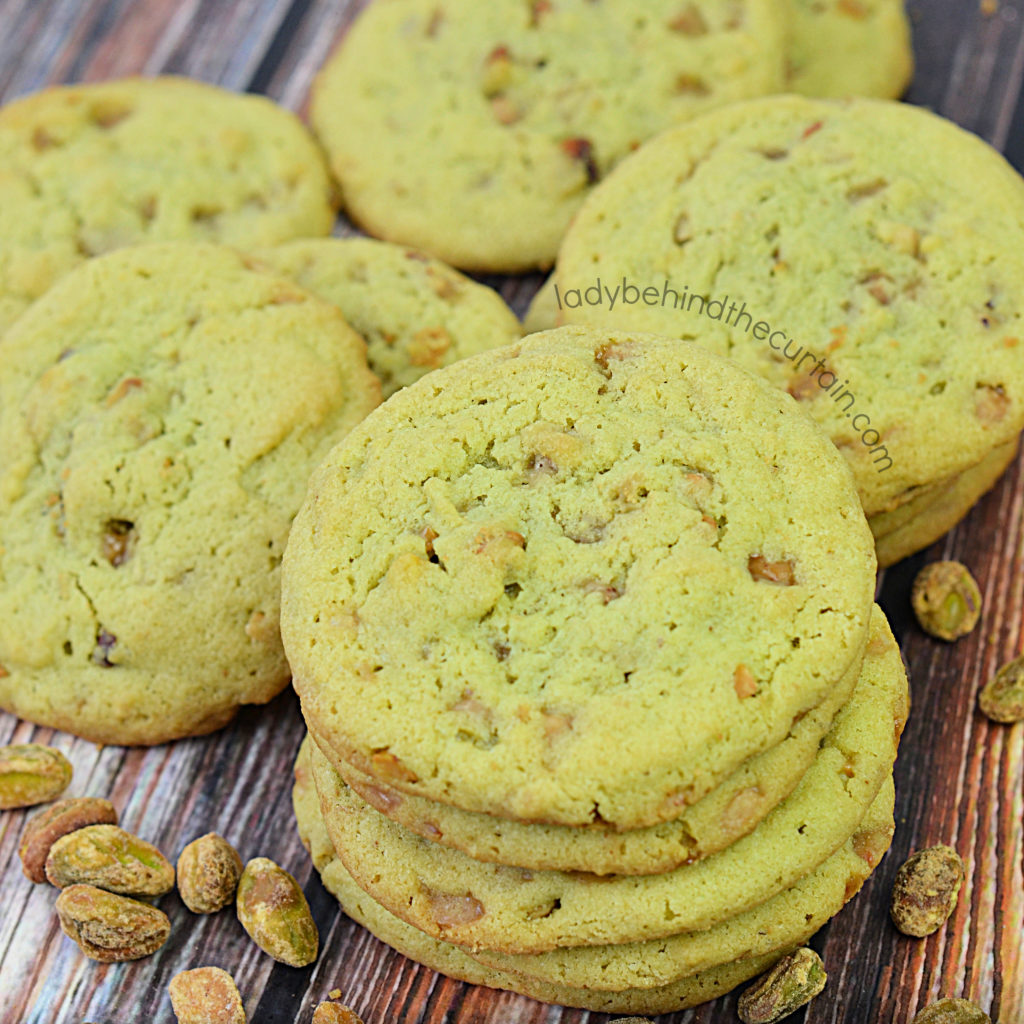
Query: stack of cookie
[602, 710]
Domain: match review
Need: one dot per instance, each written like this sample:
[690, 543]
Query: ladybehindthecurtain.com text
[734, 315]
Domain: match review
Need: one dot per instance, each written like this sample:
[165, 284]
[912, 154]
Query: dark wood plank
[960, 779]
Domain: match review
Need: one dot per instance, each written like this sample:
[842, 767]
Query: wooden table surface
[960, 779]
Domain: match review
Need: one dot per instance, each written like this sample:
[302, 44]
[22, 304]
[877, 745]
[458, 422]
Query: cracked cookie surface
[576, 580]
[85, 169]
[474, 130]
[161, 409]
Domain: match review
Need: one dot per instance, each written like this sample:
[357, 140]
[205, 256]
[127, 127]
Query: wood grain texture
[960, 779]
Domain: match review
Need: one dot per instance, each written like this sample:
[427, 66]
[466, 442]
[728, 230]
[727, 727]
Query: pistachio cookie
[454, 962]
[491, 906]
[474, 130]
[596, 550]
[415, 313]
[89, 168]
[161, 409]
[849, 48]
[900, 334]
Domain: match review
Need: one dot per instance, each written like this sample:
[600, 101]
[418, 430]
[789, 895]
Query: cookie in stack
[603, 713]
[863, 255]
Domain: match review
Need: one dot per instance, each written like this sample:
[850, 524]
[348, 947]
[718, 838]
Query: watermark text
[817, 377]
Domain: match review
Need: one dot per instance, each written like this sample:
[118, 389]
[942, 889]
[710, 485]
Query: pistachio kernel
[108, 927]
[273, 910]
[109, 858]
[30, 774]
[793, 982]
[208, 872]
[925, 891]
[206, 995]
[762, 570]
[451, 910]
[335, 1013]
[59, 820]
[1002, 698]
[952, 1011]
[946, 600]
